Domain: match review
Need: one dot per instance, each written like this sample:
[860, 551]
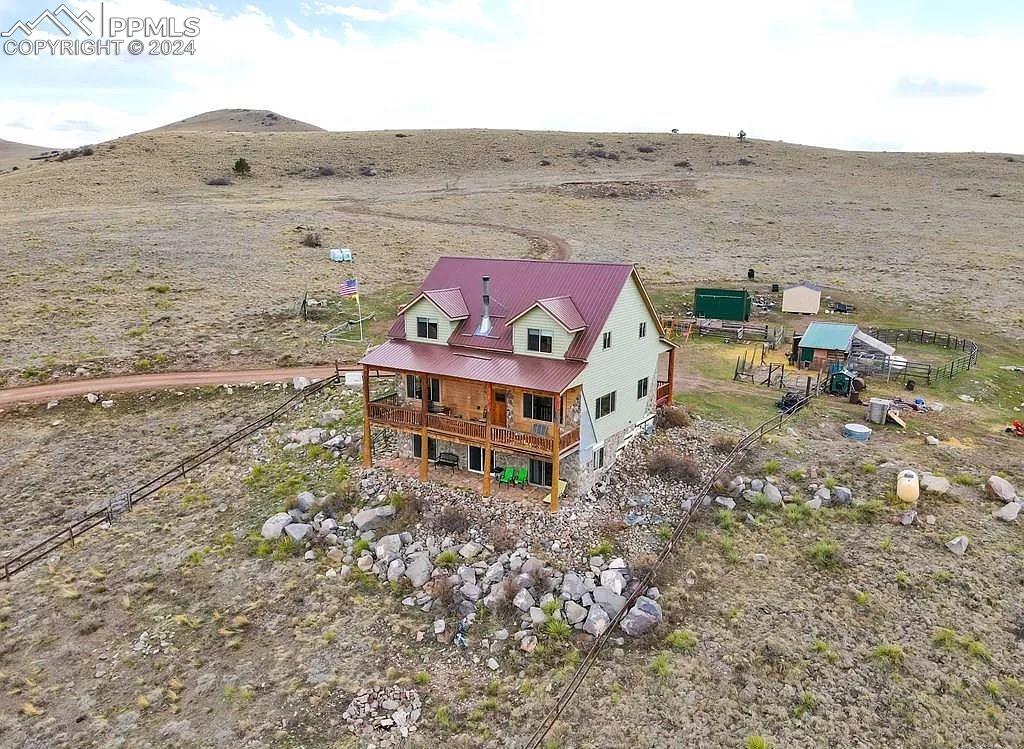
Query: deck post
[367, 438]
[671, 373]
[556, 409]
[487, 441]
[424, 440]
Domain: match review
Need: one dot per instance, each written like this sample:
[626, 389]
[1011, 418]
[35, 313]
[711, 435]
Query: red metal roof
[530, 372]
[451, 302]
[562, 309]
[591, 289]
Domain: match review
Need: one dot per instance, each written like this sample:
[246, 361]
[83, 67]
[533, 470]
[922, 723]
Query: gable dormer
[433, 315]
[547, 328]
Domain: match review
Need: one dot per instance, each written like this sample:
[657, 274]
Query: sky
[914, 75]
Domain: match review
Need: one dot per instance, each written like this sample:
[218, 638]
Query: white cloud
[798, 70]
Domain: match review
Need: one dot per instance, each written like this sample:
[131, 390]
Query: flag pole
[359, 310]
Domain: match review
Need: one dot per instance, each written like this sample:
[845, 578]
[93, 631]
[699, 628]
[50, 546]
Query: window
[606, 339]
[539, 340]
[643, 328]
[641, 388]
[426, 328]
[538, 407]
[605, 405]
[412, 387]
[599, 457]
[435, 390]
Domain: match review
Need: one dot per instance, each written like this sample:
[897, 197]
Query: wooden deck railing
[664, 392]
[472, 431]
[395, 415]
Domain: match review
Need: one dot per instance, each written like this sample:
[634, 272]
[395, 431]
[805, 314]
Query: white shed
[804, 299]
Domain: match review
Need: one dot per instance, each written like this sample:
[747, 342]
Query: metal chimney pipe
[485, 318]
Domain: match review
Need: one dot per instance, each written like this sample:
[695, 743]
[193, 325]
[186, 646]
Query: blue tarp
[828, 335]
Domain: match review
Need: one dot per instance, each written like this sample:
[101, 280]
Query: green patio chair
[522, 476]
[507, 475]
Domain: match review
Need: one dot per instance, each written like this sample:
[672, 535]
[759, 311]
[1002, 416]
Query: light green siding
[618, 368]
[426, 308]
[538, 318]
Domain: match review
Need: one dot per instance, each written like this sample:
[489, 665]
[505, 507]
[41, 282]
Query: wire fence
[126, 501]
[899, 368]
[583, 668]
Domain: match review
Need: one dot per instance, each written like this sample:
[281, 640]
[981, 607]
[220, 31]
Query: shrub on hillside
[673, 416]
[219, 181]
[452, 520]
[312, 239]
[325, 171]
[241, 167]
[668, 464]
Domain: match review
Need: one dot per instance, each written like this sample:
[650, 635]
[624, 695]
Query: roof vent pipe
[485, 317]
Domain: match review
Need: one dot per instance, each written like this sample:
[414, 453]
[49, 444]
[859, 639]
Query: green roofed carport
[829, 336]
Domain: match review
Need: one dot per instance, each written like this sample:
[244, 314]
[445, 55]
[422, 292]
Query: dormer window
[426, 328]
[539, 340]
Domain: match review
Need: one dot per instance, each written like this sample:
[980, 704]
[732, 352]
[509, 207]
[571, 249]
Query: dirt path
[157, 381]
[557, 247]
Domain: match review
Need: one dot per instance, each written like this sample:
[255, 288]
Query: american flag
[349, 288]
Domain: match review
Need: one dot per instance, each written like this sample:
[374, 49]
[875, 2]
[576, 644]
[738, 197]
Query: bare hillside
[239, 121]
[130, 257]
[16, 154]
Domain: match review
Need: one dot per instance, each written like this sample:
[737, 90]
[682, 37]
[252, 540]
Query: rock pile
[1003, 491]
[450, 576]
[383, 710]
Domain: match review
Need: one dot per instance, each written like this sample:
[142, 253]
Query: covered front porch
[541, 426]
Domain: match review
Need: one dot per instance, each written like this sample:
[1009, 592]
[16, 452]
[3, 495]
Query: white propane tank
[908, 489]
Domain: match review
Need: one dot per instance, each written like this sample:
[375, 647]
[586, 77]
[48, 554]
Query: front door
[498, 416]
[540, 472]
[476, 459]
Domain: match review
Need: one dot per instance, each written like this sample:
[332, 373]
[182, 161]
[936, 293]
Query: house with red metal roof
[536, 369]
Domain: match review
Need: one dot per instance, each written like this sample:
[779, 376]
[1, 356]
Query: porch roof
[511, 370]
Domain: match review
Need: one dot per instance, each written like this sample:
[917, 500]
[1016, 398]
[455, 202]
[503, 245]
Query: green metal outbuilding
[722, 304]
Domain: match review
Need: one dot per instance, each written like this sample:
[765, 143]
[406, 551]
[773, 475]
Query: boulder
[300, 383]
[813, 504]
[614, 580]
[572, 586]
[311, 436]
[305, 501]
[470, 591]
[933, 484]
[537, 616]
[388, 547]
[574, 613]
[597, 621]
[1007, 512]
[958, 545]
[331, 417]
[642, 618]
[418, 569]
[274, 526]
[470, 550]
[528, 643]
[908, 518]
[524, 600]
[365, 563]
[823, 493]
[608, 599]
[372, 518]
[395, 570]
[999, 488]
[772, 494]
[726, 502]
[298, 531]
[843, 495]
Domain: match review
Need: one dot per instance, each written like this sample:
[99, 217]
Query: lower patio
[464, 479]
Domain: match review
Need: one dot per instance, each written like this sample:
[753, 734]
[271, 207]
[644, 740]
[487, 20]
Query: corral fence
[536, 740]
[779, 375]
[725, 330]
[900, 369]
[126, 501]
